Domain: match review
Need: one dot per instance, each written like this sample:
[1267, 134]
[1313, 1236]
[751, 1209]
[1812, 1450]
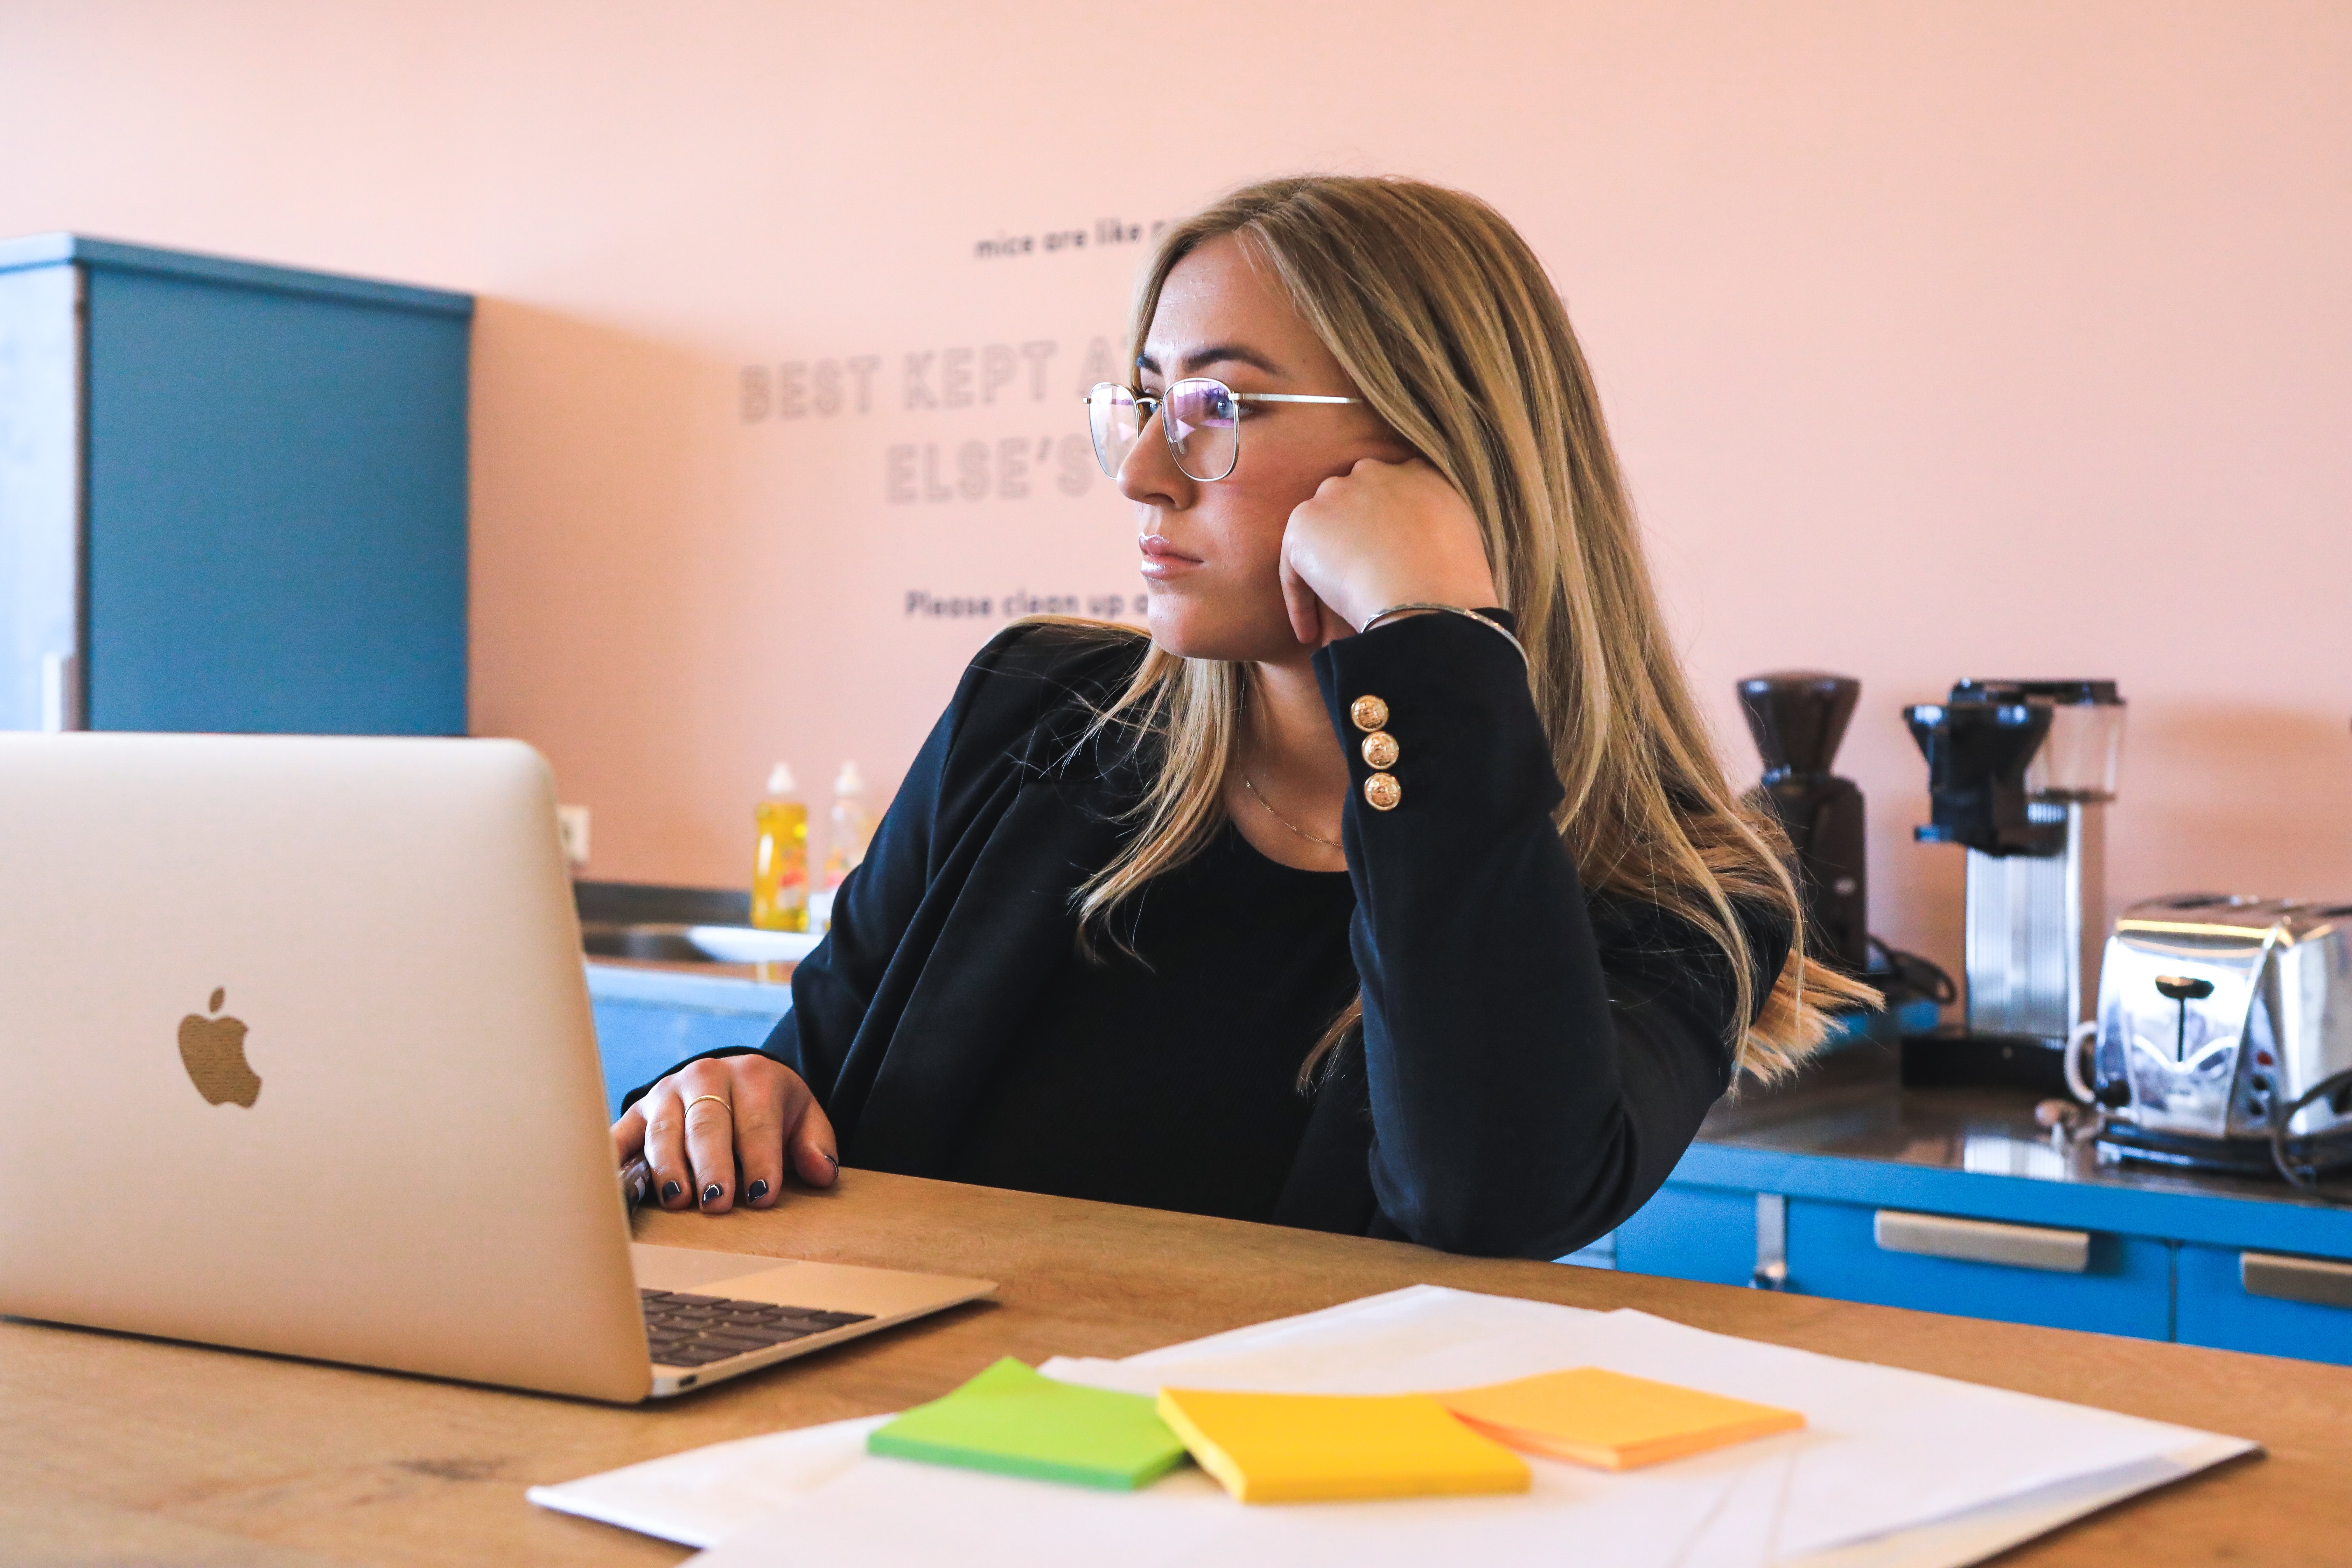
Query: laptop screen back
[298, 1048]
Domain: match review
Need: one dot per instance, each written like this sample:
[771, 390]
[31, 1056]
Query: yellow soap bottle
[780, 868]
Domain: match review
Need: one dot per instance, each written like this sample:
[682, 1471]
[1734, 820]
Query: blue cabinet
[232, 497]
[1692, 1233]
[2141, 1252]
[1846, 1184]
[2239, 1299]
[2122, 1284]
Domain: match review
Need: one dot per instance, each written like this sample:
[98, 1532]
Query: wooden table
[116, 1449]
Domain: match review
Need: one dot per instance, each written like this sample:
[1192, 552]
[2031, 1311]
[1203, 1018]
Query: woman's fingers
[1384, 534]
[815, 1155]
[724, 1129]
[707, 1109]
[629, 1154]
[629, 1133]
[763, 1093]
[1299, 600]
[664, 1147]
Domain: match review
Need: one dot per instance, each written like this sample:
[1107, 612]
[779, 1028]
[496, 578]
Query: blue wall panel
[40, 488]
[278, 511]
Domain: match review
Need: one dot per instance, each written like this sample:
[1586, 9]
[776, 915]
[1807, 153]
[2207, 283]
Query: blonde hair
[1445, 320]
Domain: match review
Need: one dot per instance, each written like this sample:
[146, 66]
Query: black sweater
[1164, 1069]
[1533, 1062]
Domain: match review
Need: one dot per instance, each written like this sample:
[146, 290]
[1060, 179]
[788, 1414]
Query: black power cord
[2305, 1178]
[1906, 976]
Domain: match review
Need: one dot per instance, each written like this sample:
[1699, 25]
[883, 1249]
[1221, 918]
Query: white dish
[746, 944]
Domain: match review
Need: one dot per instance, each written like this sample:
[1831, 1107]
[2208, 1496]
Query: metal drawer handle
[1771, 1243]
[1984, 1241]
[2296, 1279]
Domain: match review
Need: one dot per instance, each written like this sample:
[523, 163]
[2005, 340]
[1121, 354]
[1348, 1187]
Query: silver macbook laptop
[296, 1034]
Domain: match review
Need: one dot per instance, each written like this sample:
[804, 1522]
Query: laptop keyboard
[696, 1330]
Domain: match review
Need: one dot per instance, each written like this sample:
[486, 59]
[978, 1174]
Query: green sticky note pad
[1012, 1421]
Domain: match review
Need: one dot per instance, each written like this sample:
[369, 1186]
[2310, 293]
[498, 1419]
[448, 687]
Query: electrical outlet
[572, 826]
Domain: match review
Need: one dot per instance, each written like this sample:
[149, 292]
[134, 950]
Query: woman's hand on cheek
[1380, 534]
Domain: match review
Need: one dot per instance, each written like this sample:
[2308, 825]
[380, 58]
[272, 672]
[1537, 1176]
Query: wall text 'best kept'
[973, 375]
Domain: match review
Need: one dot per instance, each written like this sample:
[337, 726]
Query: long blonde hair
[1445, 320]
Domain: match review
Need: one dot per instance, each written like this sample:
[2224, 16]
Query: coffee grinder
[1798, 717]
[2019, 774]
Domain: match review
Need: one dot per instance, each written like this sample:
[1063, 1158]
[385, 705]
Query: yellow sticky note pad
[1309, 1447]
[1608, 1419]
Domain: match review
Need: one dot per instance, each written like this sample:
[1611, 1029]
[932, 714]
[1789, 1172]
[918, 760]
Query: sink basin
[667, 944]
[680, 925]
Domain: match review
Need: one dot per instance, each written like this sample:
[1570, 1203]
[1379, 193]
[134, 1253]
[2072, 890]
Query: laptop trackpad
[684, 1268]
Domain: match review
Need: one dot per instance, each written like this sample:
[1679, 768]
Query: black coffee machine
[2018, 774]
[1798, 717]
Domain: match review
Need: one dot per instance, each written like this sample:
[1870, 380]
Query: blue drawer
[2216, 1309]
[2126, 1289]
[1692, 1233]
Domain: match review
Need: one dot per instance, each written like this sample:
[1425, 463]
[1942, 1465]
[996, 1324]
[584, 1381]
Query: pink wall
[1941, 338]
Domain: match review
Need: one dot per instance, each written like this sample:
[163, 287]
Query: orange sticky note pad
[1306, 1447]
[1611, 1420]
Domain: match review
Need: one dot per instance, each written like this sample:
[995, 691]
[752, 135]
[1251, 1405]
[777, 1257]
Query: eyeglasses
[1199, 415]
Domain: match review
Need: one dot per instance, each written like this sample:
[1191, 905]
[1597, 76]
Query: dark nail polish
[710, 1194]
[670, 1190]
[757, 1190]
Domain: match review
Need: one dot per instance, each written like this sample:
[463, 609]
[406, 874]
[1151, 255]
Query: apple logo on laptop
[212, 1050]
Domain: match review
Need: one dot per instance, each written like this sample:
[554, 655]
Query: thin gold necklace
[1311, 837]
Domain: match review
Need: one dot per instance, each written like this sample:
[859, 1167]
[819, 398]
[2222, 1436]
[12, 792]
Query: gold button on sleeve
[1382, 792]
[1380, 749]
[1368, 713]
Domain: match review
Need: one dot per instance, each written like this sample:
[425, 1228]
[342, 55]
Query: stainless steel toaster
[2216, 1015]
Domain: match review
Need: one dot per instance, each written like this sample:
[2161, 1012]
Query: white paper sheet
[1896, 1469]
[1883, 1447]
[704, 1495]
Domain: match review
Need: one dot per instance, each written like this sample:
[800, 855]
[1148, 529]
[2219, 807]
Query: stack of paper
[1893, 1469]
[1309, 1447]
[1012, 1421]
[1593, 1416]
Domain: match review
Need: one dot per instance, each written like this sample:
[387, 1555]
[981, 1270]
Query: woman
[1390, 886]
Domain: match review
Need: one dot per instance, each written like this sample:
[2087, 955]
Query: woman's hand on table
[1380, 534]
[732, 1146]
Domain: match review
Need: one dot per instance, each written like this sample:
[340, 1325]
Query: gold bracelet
[1489, 622]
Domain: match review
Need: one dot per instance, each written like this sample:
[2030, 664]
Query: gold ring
[687, 1109]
